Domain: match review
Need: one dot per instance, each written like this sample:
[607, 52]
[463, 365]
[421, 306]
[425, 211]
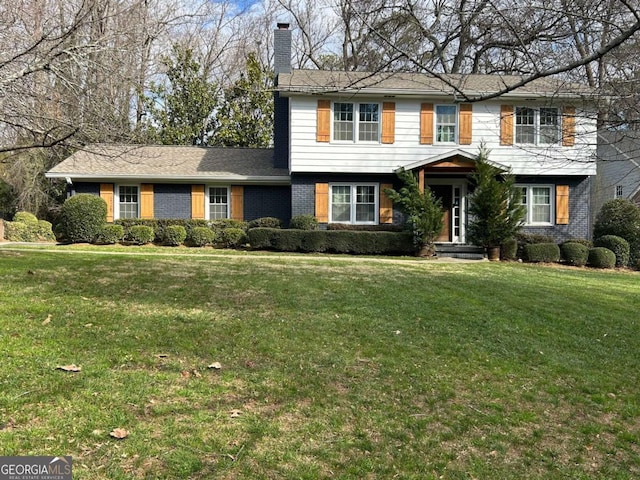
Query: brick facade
[171, 201]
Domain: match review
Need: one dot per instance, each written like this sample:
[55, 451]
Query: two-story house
[340, 137]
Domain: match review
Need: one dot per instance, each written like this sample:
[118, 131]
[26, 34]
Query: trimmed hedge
[27, 218]
[509, 250]
[574, 253]
[27, 228]
[139, 235]
[200, 237]
[160, 224]
[234, 237]
[19, 232]
[266, 222]
[600, 257]
[82, 217]
[541, 252]
[174, 235]
[332, 241]
[618, 245]
[304, 222]
[386, 227]
[109, 235]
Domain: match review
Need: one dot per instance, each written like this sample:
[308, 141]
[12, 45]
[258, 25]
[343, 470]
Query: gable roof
[455, 156]
[171, 163]
[418, 84]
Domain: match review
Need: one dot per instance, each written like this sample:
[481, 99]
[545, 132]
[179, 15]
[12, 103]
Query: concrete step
[470, 252]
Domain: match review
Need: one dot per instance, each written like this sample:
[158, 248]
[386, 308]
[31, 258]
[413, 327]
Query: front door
[452, 197]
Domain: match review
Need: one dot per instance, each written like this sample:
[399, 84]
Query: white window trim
[552, 202]
[456, 124]
[207, 196]
[116, 199]
[618, 191]
[536, 126]
[356, 124]
[353, 186]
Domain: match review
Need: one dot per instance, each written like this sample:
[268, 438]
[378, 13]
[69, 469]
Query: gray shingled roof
[166, 162]
[322, 81]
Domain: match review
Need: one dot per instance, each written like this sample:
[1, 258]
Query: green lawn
[331, 368]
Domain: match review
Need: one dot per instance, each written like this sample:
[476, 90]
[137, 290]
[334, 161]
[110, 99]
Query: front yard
[330, 368]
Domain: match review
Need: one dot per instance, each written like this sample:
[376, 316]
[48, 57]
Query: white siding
[307, 155]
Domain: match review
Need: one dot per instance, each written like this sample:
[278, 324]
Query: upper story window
[618, 192]
[537, 200]
[353, 203]
[446, 123]
[537, 126]
[359, 121]
[128, 201]
[218, 204]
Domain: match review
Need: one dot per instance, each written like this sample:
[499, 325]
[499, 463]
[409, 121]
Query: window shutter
[426, 123]
[322, 202]
[506, 125]
[388, 122]
[562, 204]
[237, 202]
[197, 201]
[323, 127]
[568, 126]
[465, 121]
[106, 192]
[386, 205]
[146, 200]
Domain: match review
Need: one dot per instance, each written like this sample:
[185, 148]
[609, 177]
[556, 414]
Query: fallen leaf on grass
[235, 413]
[185, 374]
[215, 366]
[69, 368]
[46, 320]
[119, 433]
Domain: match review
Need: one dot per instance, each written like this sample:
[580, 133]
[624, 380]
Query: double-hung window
[354, 203]
[218, 203]
[128, 201]
[537, 126]
[353, 121]
[446, 123]
[537, 200]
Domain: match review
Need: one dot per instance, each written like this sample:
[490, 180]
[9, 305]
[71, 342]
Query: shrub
[581, 241]
[304, 222]
[600, 257]
[200, 237]
[541, 252]
[140, 235]
[83, 217]
[265, 222]
[109, 235]
[574, 253]
[225, 223]
[312, 240]
[261, 238]
[174, 235]
[27, 218]
[19, 232]
[385, 227]
[620, 217]
[234, 237]
[44, 231]
[618, 245]
[509, 249]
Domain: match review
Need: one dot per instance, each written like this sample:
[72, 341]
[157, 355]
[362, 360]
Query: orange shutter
[322, 202]
[506, 125]
[568, 126]
[197, 201]
[562, 204]
[388, 122]
[386, 205]
[323, 127]
[237, 202]
[426, 123]
[106, 192]
[146, 200]
[465, 120]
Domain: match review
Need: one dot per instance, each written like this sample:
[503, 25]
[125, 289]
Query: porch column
[421, 180]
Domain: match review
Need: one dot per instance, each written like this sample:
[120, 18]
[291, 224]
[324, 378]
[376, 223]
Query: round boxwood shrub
[140, 235]
[600, 257]
[574, 253]
[541, 252]
[509, 249]
[304, 222]
[19, 232]
[266, 222]
[201, 237]
[233, 237]
[45, 231]
[27, 218]
[82, 217]
[618, 245]
[109, 235]
[174, 235]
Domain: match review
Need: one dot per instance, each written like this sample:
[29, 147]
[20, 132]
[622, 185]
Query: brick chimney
[281, 64]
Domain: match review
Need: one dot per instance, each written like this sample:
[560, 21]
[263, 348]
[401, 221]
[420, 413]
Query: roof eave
[244, 179]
